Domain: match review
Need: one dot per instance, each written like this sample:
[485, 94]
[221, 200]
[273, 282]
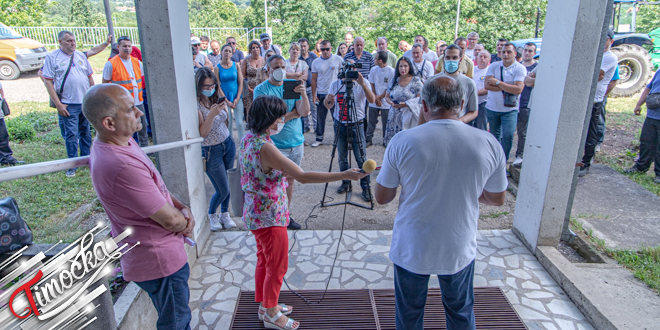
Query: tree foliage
[22, 12]
[648, 18]
[212, 13]
[83, 13]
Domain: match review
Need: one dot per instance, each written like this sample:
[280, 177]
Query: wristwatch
[497, 83]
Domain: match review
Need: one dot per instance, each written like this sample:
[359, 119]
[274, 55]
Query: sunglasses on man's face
[325, 49]
[196, 45]
[232, 43]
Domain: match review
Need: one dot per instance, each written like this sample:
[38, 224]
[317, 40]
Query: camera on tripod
[348, 71]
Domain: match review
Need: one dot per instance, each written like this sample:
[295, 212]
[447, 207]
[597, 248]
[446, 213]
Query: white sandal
[272, 325]
[286, 310]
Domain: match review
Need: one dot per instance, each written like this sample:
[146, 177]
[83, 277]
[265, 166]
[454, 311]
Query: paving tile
[210, 317]
[534, 304]
[565, 324]
[529, 314]
[369, 275]
[539, 295]
[225, 306]
[564, 307]
[223, 323]
[495, 261]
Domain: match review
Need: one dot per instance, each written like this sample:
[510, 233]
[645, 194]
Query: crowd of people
[461, 94]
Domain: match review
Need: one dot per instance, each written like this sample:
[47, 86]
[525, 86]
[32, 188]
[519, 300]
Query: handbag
[59, 94]
[5, 107]
[653, 100]
[14, 231]
[510, 100]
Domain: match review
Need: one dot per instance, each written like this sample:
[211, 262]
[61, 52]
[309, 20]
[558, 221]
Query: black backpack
[14, 231]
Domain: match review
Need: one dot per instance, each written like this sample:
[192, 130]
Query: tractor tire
[634, 69]
[8, 70]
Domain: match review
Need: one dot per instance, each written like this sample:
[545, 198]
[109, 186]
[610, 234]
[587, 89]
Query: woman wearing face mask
[404, 88]
[231, 83]
[218, 148]
[252, 67]
[342, 49]
[295, 68]
[266, 211]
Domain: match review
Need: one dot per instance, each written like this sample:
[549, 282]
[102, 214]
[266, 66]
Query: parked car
[18, 54]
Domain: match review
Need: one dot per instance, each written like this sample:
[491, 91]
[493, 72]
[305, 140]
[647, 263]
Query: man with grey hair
[67, 95]
[289, 141]
[473, 40]
[439, 237]
[422, 67]
[381, 43]
[426, 53]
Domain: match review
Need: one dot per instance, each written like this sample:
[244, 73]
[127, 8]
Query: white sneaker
[316, 144]
[517, 162]
[215, 222]
[226, 221]
[598, 147]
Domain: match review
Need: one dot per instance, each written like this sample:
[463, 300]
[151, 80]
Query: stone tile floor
[229, 260]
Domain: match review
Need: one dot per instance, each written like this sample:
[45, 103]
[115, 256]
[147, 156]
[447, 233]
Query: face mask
[451, 66]
[280, 126]
[279, 74]
[208, 93]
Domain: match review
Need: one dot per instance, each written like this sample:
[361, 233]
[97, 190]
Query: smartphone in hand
[289, 86]
[221, 99]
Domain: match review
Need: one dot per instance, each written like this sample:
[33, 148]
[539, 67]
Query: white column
[563, 96]
[167, 58]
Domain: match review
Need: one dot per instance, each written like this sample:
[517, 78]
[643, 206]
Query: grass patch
[645, 264]
[492, 215]
[46, 200]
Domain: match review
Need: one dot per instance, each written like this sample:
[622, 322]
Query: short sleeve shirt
[107, 75]
[435, 226]
[381, 78]
[309, 60]
[515, 72]
[55, 66]
[654, 86]
[131, 190]
[469, 93]
[479, 77]
[608, 65]
[339, 112]
[237, 57]
[291, 135]
[424, 69]
[326, 70]
[300, 66]
[367, 61]
[465, 66]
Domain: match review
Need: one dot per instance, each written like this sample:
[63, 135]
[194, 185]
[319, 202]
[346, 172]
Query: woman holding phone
[218, 148]
[231, 82]
[266, 210]
[405, 87]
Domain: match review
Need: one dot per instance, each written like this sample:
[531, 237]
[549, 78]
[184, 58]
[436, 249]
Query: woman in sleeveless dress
[252, 66]
[231, 82]
[405, 87]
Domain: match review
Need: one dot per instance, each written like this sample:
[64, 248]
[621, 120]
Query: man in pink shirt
[134, 196]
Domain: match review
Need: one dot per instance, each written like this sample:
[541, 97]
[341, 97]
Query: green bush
[20, 129]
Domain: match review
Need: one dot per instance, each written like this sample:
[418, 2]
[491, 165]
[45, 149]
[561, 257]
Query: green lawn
[45, 200]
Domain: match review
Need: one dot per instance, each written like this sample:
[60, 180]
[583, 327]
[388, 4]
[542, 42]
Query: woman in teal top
[230, 77]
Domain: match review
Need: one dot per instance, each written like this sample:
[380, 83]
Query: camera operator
[289, 139]
[350, 121]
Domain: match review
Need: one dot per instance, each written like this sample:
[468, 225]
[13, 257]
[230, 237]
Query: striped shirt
[366, 59]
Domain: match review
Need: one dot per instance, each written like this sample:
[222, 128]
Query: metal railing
[24, 171]
[92, 36]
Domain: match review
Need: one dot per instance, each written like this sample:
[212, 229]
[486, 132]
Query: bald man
[134, 196]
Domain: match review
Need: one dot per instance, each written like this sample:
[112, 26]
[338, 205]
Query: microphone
[369, 166]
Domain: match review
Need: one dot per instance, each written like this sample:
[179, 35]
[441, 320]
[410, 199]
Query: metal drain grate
[374, 309]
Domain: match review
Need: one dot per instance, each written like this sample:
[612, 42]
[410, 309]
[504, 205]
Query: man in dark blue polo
[308, 57]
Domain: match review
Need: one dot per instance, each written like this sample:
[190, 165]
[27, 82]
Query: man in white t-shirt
[427, 54]
[468, 113]
[607, 68]
[324, 72]
[117, 75]
[350, 121]
[423, 68]
[483, 61]
[381, 77]
[435, 227]
[504, 78]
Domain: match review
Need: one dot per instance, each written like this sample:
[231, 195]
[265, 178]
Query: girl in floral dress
[266, 211]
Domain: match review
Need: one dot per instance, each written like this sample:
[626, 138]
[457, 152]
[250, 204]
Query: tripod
[348, 118]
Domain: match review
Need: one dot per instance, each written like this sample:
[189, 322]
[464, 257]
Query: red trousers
[272, 264]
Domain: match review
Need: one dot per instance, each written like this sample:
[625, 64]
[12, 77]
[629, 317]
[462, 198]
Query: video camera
[348, 71]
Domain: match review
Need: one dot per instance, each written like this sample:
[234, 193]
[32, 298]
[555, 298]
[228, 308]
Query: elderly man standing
[381, 43]
[423, 68]
[67, 76]
[473, 40]
[266, 45]
[134, 196]
[126, 71]
[435, 228]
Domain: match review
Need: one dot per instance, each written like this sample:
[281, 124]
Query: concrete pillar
[167, 58]
[573, 42]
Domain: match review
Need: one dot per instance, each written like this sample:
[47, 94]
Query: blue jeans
[170, 295]
[321, 114]
[239, 118]
[481, 122]
[410, 292]
[502, 126]
[359, 149]
[76, 131]
[219, 159]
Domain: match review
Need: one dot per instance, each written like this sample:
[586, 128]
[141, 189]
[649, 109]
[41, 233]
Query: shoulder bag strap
[67, 71]
[502, 73]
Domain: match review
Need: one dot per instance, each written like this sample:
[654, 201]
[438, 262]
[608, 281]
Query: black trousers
[5, 150]
[649, 146]
[592, 134]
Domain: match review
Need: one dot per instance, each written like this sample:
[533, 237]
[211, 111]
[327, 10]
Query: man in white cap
[199, 59]
[266, 45]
